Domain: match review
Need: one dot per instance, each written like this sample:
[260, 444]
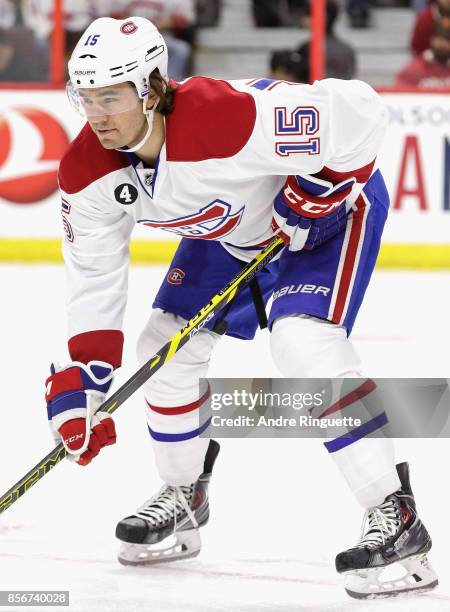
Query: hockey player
[222, 165]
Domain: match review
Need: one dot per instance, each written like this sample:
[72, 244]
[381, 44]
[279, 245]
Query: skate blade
[186, 545]
[418, 577]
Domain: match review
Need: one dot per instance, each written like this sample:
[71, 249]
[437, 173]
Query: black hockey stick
[204, 315]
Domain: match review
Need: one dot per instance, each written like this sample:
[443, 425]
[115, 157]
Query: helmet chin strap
[149, 116]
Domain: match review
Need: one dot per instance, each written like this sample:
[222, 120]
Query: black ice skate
[393, 538]
[174, 513]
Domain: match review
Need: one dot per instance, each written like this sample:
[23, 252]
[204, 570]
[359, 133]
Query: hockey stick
[205, 314]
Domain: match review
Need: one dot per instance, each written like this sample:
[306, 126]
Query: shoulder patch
[85, 161]
[210, 120]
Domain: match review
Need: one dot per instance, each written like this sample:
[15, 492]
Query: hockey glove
[302, 200]
[73, 394]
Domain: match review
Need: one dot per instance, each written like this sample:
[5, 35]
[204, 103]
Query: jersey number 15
[302, 121]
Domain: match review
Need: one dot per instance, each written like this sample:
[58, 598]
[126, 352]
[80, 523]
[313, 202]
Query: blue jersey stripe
[360, 432]
[178, 437]
[263, 83]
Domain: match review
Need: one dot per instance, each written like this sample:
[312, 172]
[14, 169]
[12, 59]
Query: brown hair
[164, 91]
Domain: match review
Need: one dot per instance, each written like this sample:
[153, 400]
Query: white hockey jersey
[229, 147]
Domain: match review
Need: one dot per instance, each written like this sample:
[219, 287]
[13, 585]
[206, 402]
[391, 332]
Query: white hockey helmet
[110, 52]
[113, 51]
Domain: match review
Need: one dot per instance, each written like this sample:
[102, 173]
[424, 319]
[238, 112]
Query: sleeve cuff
[100, 345]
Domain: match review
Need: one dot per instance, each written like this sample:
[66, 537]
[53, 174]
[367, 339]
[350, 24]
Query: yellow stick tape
[392, 256]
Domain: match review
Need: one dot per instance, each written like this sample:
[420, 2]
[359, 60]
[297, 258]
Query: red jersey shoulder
[85, 161]
[210, 120]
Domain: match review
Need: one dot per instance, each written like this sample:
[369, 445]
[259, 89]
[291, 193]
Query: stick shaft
[205, 314]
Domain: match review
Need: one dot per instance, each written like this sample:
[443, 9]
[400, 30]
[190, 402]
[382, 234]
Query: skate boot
[391, 557]
[166, 527]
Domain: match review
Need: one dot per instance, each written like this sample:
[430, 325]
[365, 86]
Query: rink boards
[415, 161]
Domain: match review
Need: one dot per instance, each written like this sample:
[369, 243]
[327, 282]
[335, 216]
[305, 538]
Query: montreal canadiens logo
[175, 276]
[128, 28]
[31, 144]
[212, 222]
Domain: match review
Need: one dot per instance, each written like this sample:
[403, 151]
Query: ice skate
[391, 557]
[166, 527]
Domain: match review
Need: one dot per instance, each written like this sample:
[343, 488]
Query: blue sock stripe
[178, 437]
[360, 432]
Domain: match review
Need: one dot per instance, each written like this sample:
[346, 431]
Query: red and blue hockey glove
[303, 200]
[73, 394]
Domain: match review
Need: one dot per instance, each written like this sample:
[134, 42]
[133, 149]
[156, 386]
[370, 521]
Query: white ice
[280, 510]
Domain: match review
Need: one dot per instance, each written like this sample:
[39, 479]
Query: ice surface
[280, 510]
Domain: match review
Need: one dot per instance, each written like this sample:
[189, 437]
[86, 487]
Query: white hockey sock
[368, 466]
[306, 347]
[174, 399]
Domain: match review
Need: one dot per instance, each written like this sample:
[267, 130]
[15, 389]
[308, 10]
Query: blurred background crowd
[404, 43]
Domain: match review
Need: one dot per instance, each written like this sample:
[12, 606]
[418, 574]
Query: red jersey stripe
[99, 345]
[361, 175]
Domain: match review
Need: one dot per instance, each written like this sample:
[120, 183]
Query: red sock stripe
[367, 387]
[349, 261]
[173, 410]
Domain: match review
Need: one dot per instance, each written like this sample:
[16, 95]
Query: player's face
[115, 115]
